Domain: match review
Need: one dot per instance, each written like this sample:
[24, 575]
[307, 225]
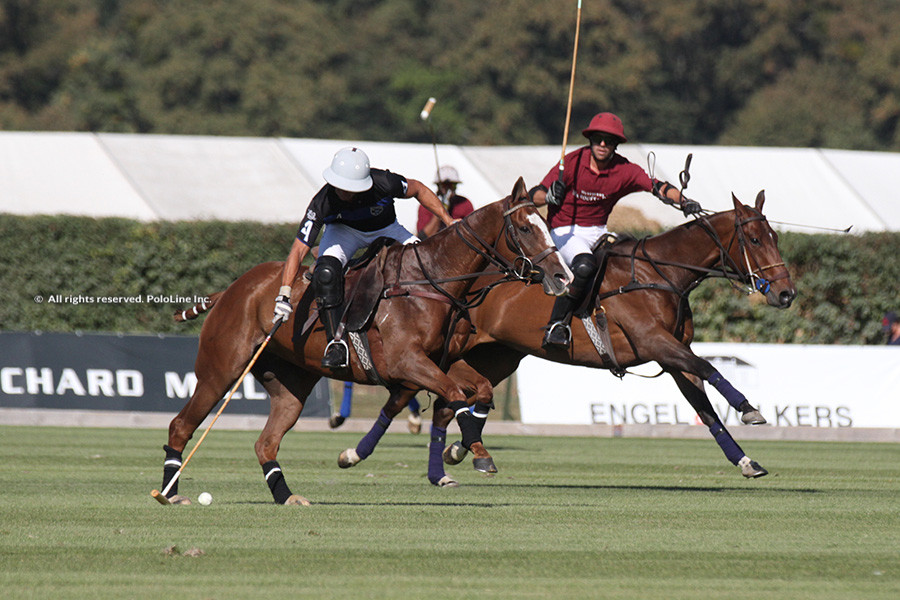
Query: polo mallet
[426, 112]
[562, 155]
[161, 496]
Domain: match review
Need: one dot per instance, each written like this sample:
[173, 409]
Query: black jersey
[369, 211]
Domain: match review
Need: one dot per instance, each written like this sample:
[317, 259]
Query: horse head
[756, 254]
[536, 258]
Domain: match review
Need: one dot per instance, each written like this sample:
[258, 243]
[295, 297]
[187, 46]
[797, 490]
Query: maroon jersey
[590, 196]
[460, 206]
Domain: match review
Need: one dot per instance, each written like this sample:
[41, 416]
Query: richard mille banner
[116, 372]
[792, 385]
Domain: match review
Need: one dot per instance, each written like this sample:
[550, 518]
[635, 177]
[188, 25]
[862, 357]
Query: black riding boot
[336, 352]
[558, 331]
[328, 282]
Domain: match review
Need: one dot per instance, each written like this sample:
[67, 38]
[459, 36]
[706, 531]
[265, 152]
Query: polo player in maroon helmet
[580, 200]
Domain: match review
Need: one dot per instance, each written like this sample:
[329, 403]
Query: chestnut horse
[406, 333]
[644, 295]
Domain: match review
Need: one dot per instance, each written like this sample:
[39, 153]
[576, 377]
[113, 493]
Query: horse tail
[198, 309]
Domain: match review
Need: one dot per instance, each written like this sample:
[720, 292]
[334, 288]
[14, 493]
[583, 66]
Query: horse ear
[737, 203]
[760, 200]
[519, 190]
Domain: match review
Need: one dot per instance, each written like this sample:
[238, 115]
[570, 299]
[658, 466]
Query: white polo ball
[205, 498]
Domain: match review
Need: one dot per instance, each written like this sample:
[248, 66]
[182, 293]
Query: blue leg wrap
[347, 402]
[734, 397]
[367, 445]
[435, 454]
[414, 405]
[730, 447]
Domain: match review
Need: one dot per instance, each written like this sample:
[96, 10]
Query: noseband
[754, 276]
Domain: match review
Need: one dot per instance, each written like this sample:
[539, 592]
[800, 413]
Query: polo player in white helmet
[356, 206]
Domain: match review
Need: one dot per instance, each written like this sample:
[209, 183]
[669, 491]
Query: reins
[521, 268]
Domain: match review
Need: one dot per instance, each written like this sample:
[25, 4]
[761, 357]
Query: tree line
[820, 73]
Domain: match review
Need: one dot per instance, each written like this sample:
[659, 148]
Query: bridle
[751, 274]
[755, 278]
[522, 267]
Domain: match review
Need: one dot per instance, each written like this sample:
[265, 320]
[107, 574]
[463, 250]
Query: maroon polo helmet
[606, 122]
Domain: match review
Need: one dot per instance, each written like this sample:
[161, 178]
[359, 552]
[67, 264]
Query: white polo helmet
[349, 170]
[448, 174]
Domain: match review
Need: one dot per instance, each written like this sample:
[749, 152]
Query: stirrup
[558, 334]
[336, 355]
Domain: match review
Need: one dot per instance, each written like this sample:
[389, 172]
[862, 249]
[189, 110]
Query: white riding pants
[572, 240]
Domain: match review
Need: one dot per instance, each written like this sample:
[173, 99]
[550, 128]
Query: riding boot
[558, 331]
[336, 352]
[559, 334]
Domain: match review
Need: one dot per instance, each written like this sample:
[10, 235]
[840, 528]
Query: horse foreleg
[673, 355]
[692, 388]
[397, 401]
[471, 421]
[288, 388]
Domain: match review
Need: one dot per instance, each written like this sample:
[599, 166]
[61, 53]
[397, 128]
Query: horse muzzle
[780, 298]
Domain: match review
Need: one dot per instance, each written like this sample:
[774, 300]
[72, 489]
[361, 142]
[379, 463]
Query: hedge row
[846, 283]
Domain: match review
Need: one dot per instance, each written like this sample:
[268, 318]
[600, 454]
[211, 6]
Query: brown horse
[406, 329]
[644, 297]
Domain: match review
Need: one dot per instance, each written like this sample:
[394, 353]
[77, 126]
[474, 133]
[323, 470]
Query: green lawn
[564, 518]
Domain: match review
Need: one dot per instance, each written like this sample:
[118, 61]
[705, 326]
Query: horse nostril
[786, 298]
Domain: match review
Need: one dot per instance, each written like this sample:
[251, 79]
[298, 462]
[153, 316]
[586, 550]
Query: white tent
[164, 177]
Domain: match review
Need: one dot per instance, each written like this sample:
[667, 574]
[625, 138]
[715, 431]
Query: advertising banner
[116, 372]
[793, 385]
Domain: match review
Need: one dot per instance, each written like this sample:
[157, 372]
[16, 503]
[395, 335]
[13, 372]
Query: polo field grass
[564, 518]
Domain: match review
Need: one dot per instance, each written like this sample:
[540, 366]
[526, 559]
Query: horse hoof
[336, 421]
[447, 482]
[182, 500]
[295, 500]
[753, 417]
[348, 458]
[414, 423]
[455, 453]
[752, 470]
[485, 465]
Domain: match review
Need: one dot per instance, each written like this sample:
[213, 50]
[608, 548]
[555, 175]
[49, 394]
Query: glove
[690, 207]
[556, 193]
[283, 308]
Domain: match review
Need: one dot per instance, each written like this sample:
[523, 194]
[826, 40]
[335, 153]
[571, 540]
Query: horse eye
[525, 229]
[754, 241]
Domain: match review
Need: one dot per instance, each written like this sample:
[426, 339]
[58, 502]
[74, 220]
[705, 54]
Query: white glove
[283, 308]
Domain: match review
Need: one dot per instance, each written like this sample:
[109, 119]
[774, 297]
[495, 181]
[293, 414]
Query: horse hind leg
[211, 387]
[398, 400]
[288, 388]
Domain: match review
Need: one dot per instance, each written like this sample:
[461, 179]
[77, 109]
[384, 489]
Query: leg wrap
[275, 479]
[435, 452]
[347, 401]
[469, 425]
[734, 397]
[170, 467]
[367, 445]
[730, 447]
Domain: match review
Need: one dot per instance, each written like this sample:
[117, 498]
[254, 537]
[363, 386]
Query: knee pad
[328, 281]
[584, 266]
